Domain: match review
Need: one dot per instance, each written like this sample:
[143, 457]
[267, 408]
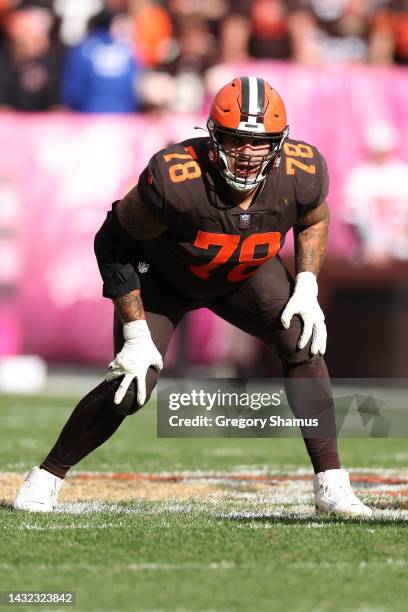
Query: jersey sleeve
[324, 183]
[312, 187]
[152, 192]
[319, 188]
[304, 175]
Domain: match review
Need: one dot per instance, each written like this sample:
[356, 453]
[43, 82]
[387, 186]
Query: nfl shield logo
[143, 267]
[244, 220]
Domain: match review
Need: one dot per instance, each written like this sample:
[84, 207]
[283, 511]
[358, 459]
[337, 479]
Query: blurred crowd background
[138, 55]
[90, 89]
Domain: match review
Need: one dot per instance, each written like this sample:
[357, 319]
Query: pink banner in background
[64, 170]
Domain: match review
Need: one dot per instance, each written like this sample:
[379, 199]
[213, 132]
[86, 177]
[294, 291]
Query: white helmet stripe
[253, 95]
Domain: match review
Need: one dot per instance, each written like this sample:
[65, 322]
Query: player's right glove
[137, 355]
[304, 303]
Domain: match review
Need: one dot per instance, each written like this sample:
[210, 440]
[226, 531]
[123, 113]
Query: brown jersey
[211, 245]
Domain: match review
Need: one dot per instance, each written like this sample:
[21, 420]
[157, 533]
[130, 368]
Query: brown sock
[323, 454]
[309, 393]
[92, 422]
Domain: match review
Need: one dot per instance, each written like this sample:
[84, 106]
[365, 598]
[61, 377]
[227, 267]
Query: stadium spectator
[258, 29]
[28, 67]
[376, 200]
[100, 74]
[159, 26]
[177, 41]
[332, 32]
[212, 11]
[307, 31]
[389, 37]
[153, 31]
[74, 18]
[177, 81]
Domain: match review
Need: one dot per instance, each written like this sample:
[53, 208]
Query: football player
[203, 228]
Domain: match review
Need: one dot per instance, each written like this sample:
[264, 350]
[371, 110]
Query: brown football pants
[255, 307]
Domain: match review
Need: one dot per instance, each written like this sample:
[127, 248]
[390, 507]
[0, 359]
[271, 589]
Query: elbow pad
[113, 249]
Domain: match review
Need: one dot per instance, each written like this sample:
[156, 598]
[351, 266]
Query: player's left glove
[137, 355]
[304, 303]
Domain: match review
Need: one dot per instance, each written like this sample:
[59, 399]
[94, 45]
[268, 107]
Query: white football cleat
[334, 495]
[39, 492]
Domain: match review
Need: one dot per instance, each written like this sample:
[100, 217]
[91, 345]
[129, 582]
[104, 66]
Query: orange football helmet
[249, 109]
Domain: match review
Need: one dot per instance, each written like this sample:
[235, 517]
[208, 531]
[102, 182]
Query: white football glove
[138, 353]
[304, 303]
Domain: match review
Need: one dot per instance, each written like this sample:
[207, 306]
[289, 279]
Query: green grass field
[239, 548]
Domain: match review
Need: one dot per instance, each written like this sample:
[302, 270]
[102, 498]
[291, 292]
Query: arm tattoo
[311, 233]
[130, 307]
[136, 219]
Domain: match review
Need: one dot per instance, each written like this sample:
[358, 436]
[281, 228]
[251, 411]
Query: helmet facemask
[242, 171]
